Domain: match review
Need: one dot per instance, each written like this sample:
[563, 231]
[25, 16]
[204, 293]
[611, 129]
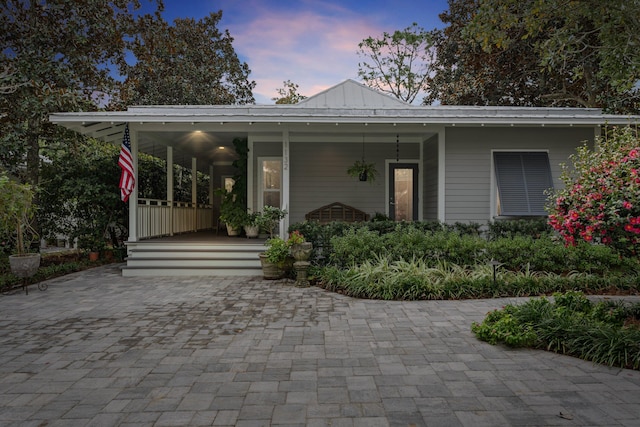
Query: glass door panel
[403, 191]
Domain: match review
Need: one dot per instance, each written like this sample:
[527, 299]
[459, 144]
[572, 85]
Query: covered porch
[298, 157]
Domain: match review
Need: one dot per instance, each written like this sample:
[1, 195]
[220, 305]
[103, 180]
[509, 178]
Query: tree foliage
[468, 75]
[400, 64]
[58, 55]
[189, 62]
[541, 53]
[288, 93]
[601, 199]
[80, 189]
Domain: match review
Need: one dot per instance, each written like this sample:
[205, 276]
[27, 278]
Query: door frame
[418, 189]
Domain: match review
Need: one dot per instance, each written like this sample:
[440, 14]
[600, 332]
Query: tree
[288, 93]
[601, 199]
[8, 84]
[400, 64]
[60, 53]
[468, 75]
[549, 52]
[189, 62]
[80, 190]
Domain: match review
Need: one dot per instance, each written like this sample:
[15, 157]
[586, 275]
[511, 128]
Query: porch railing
[163, 218]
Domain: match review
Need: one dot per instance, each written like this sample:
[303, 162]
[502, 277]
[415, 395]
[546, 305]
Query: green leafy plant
[604, 332]
[252, 219]
[270, 217]
[363, 171]
[295, 237]
[601, 199]
[277, 251]
[16, 212]
[232, 212]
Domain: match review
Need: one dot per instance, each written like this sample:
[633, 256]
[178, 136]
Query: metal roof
[346, 106]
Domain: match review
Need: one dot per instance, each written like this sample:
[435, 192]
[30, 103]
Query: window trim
[494, 194]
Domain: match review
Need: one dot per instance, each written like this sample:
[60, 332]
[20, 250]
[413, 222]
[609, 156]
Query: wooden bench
[336, 212]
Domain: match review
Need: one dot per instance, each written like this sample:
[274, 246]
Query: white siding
[468, 162]
[319, 175]
[430, 176]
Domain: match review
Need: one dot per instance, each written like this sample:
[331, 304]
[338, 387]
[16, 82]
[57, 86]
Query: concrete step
[193, 259]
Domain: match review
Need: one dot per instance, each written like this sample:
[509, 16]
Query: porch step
[192, 259]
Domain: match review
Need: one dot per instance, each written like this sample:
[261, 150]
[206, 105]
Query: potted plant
[270, 218]
[274, 259]
[231, 212]
[16, 213]
[252, 224]
[94, 243]
[301, 252]
[300, 248]
[363, 171]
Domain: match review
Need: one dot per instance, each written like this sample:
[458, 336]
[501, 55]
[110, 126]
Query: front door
[403, 191]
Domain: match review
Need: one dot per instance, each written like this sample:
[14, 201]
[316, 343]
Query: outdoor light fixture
[495, 264]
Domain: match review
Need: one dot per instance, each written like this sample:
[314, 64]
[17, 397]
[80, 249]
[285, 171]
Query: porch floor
[205, 236]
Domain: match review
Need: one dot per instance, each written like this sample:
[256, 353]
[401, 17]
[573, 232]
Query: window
[270, 182]
[522, 178]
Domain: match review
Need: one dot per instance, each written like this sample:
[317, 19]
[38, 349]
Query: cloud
[314, 45]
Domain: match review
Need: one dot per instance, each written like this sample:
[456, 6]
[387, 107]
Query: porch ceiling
[212, 142]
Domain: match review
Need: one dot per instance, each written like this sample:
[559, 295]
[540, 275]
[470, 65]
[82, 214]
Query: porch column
[441, 175]
[284, 224]
[250, 159]
[133, 197]
[170, 187]
[213, 219]
[421, 176]
[194, 192]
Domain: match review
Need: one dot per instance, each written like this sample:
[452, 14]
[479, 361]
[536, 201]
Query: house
[447, 163]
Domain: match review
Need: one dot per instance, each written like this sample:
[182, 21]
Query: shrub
[571, 325]
[601, 198]
[355, 247]
[534, 227]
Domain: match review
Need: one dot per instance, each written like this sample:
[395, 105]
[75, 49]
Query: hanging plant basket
[363, 171]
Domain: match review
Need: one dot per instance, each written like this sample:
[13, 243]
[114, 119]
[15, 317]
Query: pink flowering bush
[601, 199]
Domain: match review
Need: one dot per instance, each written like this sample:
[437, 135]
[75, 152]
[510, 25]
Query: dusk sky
[313, 43]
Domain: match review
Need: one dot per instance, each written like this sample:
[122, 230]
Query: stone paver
[100, 349]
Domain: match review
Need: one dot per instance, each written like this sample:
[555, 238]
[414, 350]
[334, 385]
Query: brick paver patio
[99, 349]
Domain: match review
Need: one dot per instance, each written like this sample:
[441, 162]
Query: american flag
[127, 177]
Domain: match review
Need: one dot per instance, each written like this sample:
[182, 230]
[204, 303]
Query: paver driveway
[99, 349]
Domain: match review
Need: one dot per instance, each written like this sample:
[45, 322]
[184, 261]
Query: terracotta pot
[93, 256]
